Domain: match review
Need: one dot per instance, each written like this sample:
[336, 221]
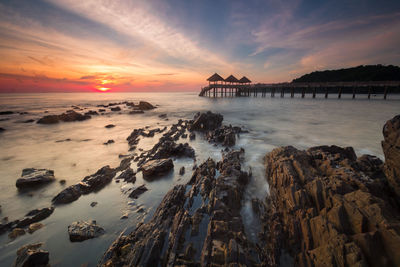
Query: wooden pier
[232, 89]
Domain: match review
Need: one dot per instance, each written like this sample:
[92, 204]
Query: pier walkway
[337, 88]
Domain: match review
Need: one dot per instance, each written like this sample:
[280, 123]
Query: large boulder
[32, 177]
[328, 208]
[32, 256]
[143, 105]
[157, 167]
[391, 149]
[206, 121]
[81, 230]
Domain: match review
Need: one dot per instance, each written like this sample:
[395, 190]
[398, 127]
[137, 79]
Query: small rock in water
[31, 255]
[31, 177]
[108, 126]
[125, 216]
[16, 232]
[109, 142]
[163, 116]
[192, 136]
[138, 191]
[2, 129]
[34, 227]
[94, 203]
[80, 231]
[35, 216]
[62, 181]
[7, 112]
[143, 105]
[182, 170]
[136, 112]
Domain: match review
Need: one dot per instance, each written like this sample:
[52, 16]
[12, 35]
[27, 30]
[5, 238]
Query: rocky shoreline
[326, 207]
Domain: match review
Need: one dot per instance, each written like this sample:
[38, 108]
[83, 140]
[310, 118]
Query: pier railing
[339, 88]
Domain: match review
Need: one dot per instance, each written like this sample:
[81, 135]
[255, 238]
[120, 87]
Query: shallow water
[272, 122]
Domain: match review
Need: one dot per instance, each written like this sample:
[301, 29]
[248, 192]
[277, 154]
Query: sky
[175, 45]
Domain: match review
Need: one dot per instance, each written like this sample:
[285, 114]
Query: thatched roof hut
[244, 79]
[231, 79]
[215, 78]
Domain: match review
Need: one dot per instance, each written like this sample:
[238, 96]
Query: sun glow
[103, 89]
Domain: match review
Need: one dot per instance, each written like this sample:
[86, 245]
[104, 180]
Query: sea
[76, 149]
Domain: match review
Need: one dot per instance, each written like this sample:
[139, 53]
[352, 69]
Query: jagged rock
[108, 126]
[89, 184]
[32, 177]
[325, 209]
[143, 105]
[16, 232]
[32, 256]
[194, 225]
[69, 116]
[157, 167]
[391, 149]
[81, 230]
[34, 227]
[128, 176]
[138, 191]
[206, 121]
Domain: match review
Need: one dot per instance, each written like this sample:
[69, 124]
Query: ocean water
[272, 122]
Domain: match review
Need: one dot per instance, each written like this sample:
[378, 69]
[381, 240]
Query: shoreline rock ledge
[329, 208]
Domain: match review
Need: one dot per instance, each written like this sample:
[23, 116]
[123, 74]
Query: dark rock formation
[80, 231]
[116, 109]
[195, 225]
[69, 116]
[182, 170]
[155, 168]
[32, 256]
[2, 129]
[35, 216]
[109, 142]
[108, 126]
[7, 112]
[16, 232]
[89, 184]
[138, 191]
[139, 111]
[226, 135]
[391, 149]
[32, 177]
[206, 121]
[128, 175]
[328, 208]
[143, 105]
[92, 112]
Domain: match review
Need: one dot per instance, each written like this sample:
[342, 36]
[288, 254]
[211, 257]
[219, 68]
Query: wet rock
[125, 216]
[92, 112]
[62, 182]
[194, 225]
[93, 204]
[32, 256]
[138, 191]
[102, 110]
[132, 112]
[7, 112]
[116, 109]
[108, 126]
[63, 140]
[226, 135]
[35, 215]
[157, 167]
[82, 230]
[34, 227]
[143, 105]
[69, 116]
[32, 177]
[162, 116]
[206, 121]
[28, 121]
[128, 176]
[88, 185]
[16, 232]
[391, 149]
[2, 129]
[325, 209]
[109, 142]
[182, 170]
